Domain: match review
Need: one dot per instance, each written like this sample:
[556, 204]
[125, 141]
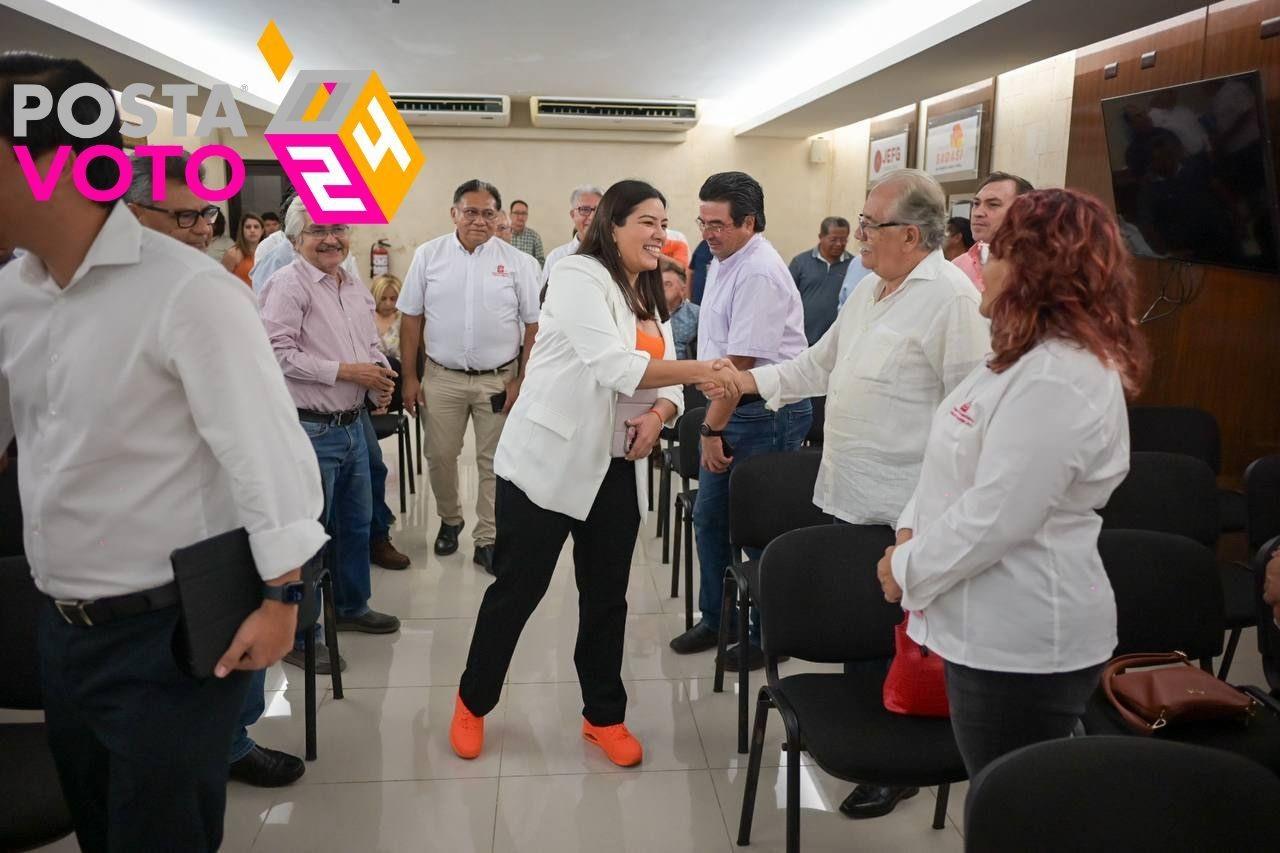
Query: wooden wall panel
[1221, 352]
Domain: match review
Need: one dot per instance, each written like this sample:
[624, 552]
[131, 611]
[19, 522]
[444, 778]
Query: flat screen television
[1192, 172]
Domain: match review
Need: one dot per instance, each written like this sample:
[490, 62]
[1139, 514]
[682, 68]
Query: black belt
[491, 372]
[100, 611]
[331, 418]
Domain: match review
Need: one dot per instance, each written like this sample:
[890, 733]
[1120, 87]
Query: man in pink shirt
[320, 323]
[991, 203]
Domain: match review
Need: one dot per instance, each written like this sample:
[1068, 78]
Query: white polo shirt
[476, 304]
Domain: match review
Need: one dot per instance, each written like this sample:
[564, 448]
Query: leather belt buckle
[73, 612]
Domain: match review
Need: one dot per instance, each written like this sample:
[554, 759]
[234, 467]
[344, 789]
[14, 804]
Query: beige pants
[451, 397]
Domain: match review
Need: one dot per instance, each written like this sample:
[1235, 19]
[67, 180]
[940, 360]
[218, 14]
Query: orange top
[652, 344]
[242, 270]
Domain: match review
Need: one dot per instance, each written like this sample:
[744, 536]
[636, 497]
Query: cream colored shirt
[884, 366]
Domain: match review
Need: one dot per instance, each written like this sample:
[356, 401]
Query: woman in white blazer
[571, 461]
[1000, 569]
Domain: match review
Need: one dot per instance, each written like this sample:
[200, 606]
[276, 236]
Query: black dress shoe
[372, 622]
[447, 538]
[268, 768]
[484, 557]
[299, 659]
[874, 800]
[699, 638]
[755, 657]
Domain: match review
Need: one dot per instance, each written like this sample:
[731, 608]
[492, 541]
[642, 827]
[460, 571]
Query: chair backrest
[397, 394]
[819, 598]
[1122, 793]
[11, 544]
[1168, 593]
[20, 606]
[1169, 493]
[771, 494]
[1262, 500]
[685, 459]
[1176, 429]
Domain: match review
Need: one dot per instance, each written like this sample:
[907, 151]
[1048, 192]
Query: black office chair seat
[32, 811]
[839, 710]
[1234, 510]
[1258, 741]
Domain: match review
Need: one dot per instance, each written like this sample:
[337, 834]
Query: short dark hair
[960, 225]
[475, 185]
[47, 134]
[647, 300]
[270, 216]
[1022, 184]
[141, 188]
[520, 201]
[743, 193]
[832, 222]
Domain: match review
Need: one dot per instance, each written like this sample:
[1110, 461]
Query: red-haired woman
[1001, 574]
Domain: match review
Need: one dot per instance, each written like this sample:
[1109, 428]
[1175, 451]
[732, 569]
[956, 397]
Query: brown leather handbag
[1150, 699]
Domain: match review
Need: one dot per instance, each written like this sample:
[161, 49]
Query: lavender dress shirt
[751, 307]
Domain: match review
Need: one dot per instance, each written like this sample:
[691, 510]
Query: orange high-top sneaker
[466, 732]
[619, 744]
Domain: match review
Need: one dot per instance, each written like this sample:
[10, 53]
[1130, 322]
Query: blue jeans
[255, 702]
[343, 454]
[383, 517]
[751, 430]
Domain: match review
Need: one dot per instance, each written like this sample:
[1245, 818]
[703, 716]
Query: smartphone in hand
[630, 440]
[498, 401]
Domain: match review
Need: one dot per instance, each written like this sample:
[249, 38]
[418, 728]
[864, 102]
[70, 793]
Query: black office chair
[396, 422]
[1140, 795]
[1168, 599]
[33, 812]
[684, 459]
[693, 399]
[769, 495]
[820, 601]
[815, 436]
[1191, 432]
[1177, 493]
[318, 579]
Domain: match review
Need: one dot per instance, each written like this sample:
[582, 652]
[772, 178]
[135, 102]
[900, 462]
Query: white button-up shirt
[1003, 571]
[884, 366]
[150, 414]
[556, 254]
[476, 303]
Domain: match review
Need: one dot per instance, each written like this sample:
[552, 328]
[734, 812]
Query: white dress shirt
[150, 414]
[476, 303]
[1003, 571]
[884, 366]
[556, 254]
[557, 439]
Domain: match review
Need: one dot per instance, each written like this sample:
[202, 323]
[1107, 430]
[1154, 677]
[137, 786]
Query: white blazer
[556, 442]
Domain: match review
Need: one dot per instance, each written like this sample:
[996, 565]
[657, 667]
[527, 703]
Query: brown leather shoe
[383, 553]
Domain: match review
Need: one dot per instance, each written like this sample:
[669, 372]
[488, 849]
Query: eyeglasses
[712, 228]
[187, 218]
[865, 224]
[585, 210]
[472, 213]
[330, 231]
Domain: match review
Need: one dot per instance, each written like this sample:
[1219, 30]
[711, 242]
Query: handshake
[721, 380]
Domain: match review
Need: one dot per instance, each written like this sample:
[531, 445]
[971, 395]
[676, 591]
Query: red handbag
[916, 685]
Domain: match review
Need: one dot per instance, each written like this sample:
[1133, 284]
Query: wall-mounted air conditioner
[454, 110]
[612, 113]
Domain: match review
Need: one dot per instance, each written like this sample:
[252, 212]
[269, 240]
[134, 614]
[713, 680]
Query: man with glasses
[476, 300]
[751, 314]
[523, 237]
[908, 335]
[320, 323]
[583, 202]
[183, 216]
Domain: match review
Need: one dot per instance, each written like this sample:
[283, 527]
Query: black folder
[218, 587]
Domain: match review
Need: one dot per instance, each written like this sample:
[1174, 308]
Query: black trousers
[529, 540]
[993, 713]
[141, 747]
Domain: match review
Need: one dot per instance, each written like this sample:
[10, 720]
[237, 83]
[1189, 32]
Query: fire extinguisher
[380, 258]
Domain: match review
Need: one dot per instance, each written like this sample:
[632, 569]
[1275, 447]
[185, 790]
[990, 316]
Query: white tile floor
[386, 779]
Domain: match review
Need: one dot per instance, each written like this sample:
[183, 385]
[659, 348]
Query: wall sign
[887, 155]
[951, 145]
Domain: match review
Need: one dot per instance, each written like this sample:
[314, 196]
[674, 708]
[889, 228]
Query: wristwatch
[289, 593]
[708, 432]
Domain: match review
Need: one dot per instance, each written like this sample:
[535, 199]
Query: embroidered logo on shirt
[502, 271]
[961, 414]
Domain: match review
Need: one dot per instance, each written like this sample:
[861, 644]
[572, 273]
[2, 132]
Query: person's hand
[713, 458]
[264, 637]
[723, 382]
[375, 377]
[648, 427]
[1271, 585]
[379, 411]
[412, 394]
[382, 399]
[513, 391]
[904, 535]
[884, 573]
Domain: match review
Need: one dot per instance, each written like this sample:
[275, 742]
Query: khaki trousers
[451, 398]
